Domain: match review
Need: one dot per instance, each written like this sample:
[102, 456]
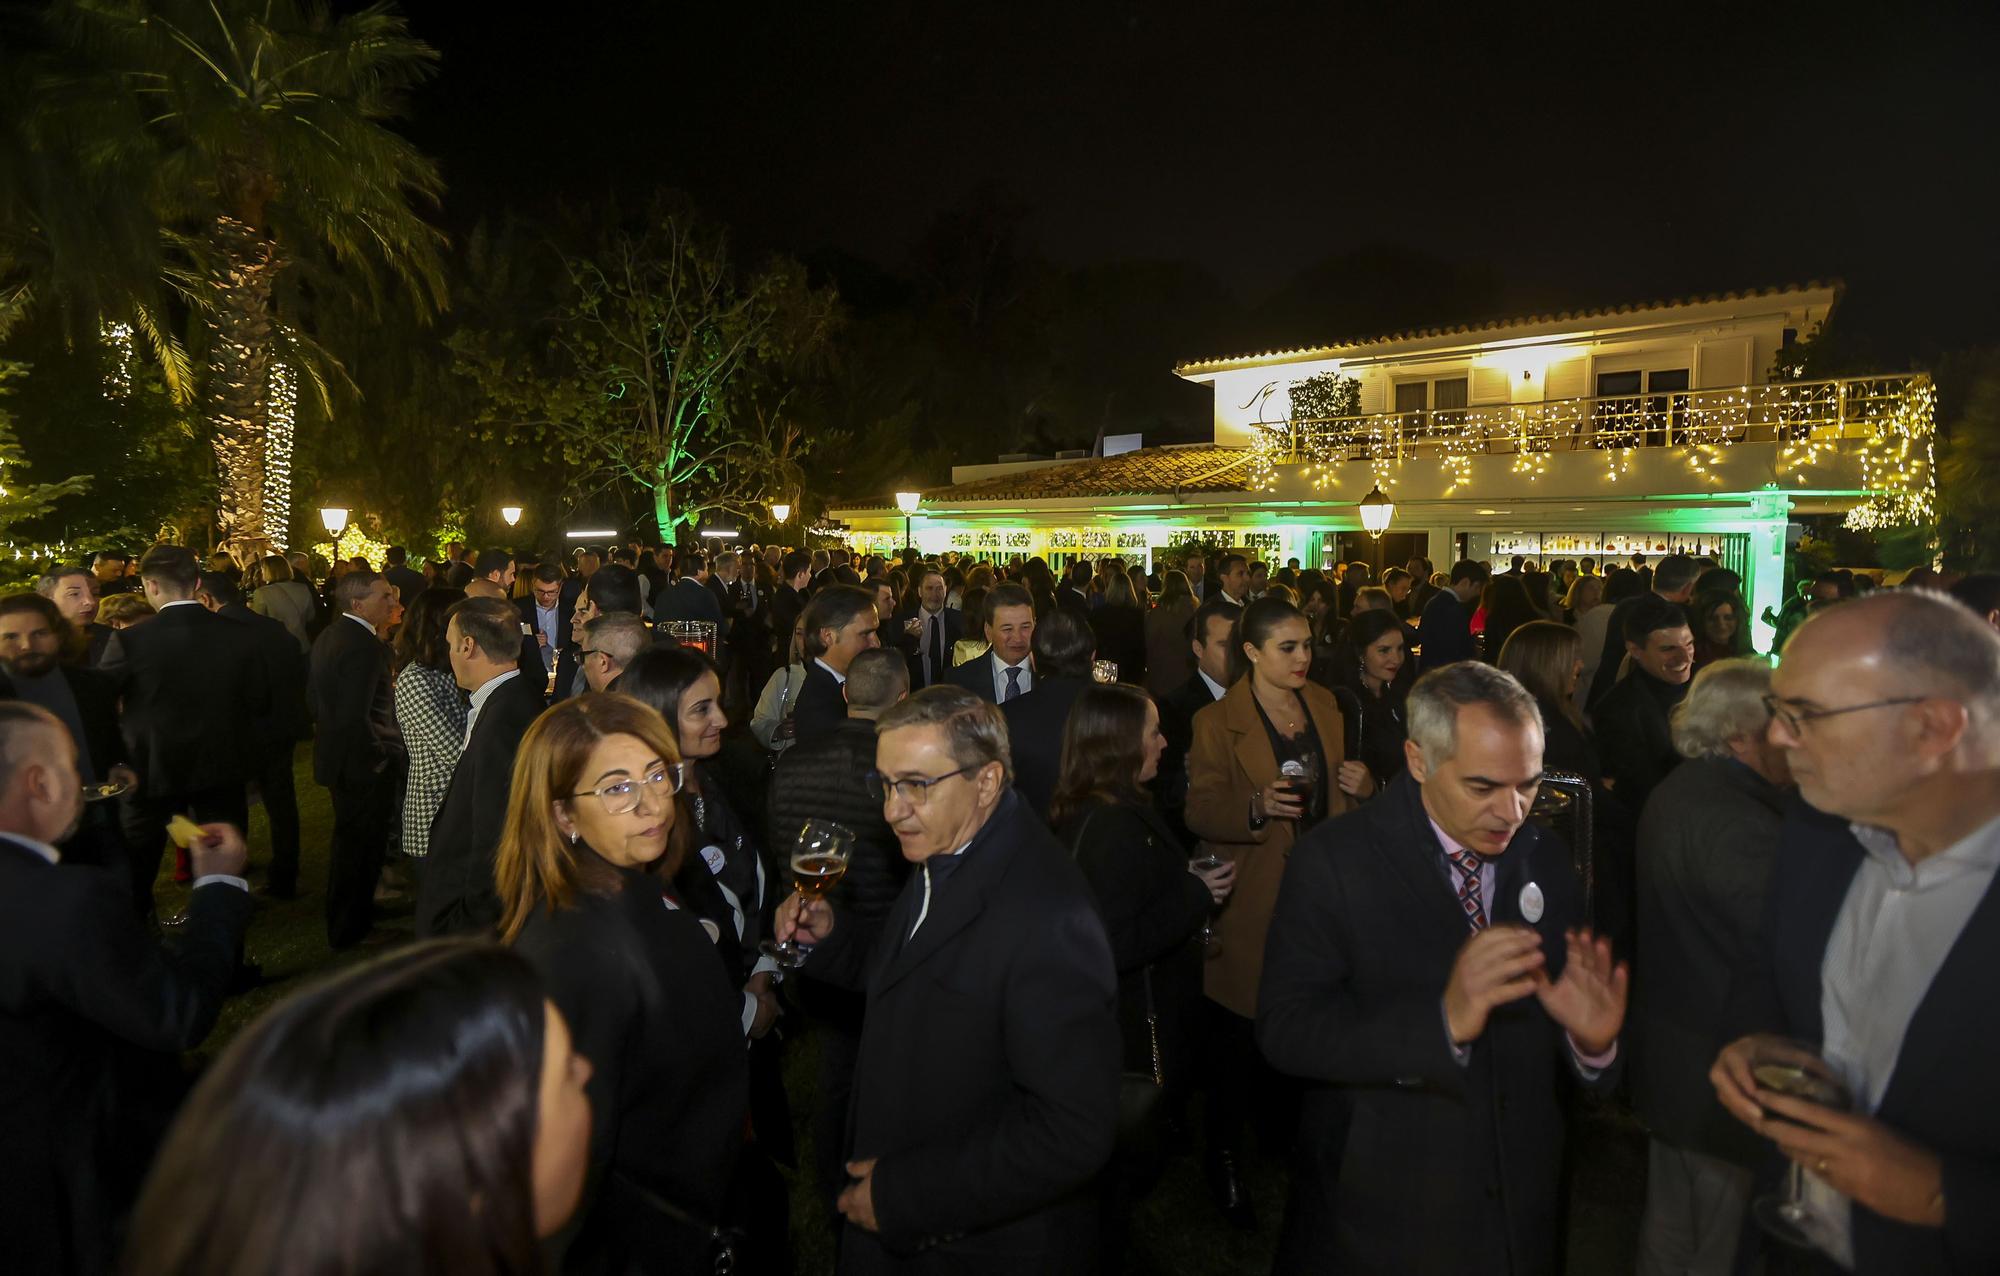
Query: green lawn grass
[1175, 1224]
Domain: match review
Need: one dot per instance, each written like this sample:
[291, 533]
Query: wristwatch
[1257, 816]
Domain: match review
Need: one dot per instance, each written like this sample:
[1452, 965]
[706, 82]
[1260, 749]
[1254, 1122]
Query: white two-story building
[1645, 428]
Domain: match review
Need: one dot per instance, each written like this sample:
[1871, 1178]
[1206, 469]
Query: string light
[1893, 419]
[118, 377]
[282, 411]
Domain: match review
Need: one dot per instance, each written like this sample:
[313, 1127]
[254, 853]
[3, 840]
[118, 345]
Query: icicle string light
[282, 410]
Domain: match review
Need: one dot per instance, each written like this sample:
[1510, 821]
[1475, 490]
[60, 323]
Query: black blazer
[1635, 742]
[951, 623]
[348, 689]
[821, 706]
[1121, 637]
[976, 676]
[455, 886]
[93, 1012]
[1035, 725]
[987, 1082]
[689, 599]
[193, 689]
[285, 719]
[784, 608]
[567, 661]
[1938, 1095]
[1707, 847]
[1170, 783]
[97, 706]
[1409, 1162]
[649, 1004]
[1446, 631]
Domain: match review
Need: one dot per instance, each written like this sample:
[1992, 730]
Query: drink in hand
[817, 873]
[819, 861]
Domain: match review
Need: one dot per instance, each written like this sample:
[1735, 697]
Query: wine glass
[1796, 1068]
[1301, 774]
[819, 861]
[1208, 863]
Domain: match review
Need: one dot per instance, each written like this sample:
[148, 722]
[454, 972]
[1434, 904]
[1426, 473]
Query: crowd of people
[1127, 864]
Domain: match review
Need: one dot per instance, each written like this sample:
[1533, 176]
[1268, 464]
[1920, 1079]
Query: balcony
[1884, 421]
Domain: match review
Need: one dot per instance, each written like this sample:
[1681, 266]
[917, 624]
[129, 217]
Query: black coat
[649, 1003]
[193, 690]
[1121, 637]
[354, 718]
[567, 661]
[951, 624]
[1707, 846]
[1938, 1096]
[689, 599]
[93, 1012]
[1409, 1162]
[455, 891]
[987, 1081]
[785, 607]
[1152, 908]
[1446, 631]
[826, 779]
[1635, 742]
[821, 706]
[1613, 656]
[97, 706]
[1035, 724]
[1170, 784]
[285, 719]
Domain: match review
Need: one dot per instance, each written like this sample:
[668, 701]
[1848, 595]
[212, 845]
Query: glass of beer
[819, 861]
[1796, 1068]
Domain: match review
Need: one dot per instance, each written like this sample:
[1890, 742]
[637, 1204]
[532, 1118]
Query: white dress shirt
[1215, 689]
[1895, 929]
[357, 620]
[838, 676]
[1000, 668]
[479, 699]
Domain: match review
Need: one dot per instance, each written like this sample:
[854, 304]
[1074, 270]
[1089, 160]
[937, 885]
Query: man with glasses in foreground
[1883, 934]
[986, 1088]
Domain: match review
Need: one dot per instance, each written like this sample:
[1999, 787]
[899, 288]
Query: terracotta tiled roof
[1152, 471]
[1484, 325]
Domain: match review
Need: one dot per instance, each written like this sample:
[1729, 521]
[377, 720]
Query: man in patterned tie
[1430, 969]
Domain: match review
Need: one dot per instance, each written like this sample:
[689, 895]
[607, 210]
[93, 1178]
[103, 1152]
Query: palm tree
[268, 120]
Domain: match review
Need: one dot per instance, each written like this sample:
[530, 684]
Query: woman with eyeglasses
[585, 875]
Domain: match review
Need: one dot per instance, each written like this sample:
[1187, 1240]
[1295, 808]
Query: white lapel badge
[713, 857]
[1531, 903]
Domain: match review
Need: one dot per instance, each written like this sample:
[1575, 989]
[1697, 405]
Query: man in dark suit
[691, 598]
[92, 1011]
[986, 1090]
[1075, 588]
[31, 643]
[277, 731]
[788, 603]
[840, 623]
[1007, 668]
[546, 620]
[928, 642]
[827, 779]
[1209, 630]
[1064, 649]
[1673, 582]
[1882, 935]
[193, 690]
[1708, 841]
[357, 753]
[1426, 972]
[1446, 629]
[455, 895]
[1634, 742]
[396, 568]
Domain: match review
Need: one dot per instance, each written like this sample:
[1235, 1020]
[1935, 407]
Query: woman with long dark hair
[1169, 660]
[585, 876]
[426, 1112]
[1119, 624]
[430, 713]
[1721, 623]
[1153, 902]
[1366, 669]
[1266, 764]
[1507, 607]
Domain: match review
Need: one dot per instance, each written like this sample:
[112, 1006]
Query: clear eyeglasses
[622, 797]
[915, 790]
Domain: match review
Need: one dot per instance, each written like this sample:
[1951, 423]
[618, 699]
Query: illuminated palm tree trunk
[239, 365]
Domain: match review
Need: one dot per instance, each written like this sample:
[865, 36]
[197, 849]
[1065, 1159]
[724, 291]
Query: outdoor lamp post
[512, 513]
[334, 517]
[780, 511]
[908, 502]
[1376, 511]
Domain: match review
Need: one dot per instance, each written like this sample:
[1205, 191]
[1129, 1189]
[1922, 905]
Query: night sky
[1575, 159]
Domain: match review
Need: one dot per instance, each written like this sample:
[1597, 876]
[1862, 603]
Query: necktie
[1466, 864]
[937, 653]
[1013, 683]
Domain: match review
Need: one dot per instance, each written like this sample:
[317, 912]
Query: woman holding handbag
[1153, 903]
[1267, 763]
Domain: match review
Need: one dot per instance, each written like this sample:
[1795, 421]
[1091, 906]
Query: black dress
[655, 1010]
[1376, 726]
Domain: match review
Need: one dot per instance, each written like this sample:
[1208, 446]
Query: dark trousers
[1242, 1087]
[361, 813]
[277, 786]
[145, 819]
[839, 1048]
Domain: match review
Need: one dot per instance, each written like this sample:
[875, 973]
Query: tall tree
[268, 120]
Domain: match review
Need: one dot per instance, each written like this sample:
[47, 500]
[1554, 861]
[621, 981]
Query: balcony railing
[1808, 413]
